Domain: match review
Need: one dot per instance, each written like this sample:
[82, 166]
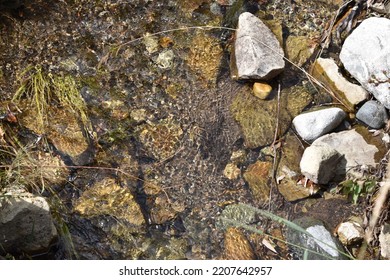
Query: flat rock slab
[366, 56]
[354, 148]
[314, 124]
[327, 71]
[257, 53]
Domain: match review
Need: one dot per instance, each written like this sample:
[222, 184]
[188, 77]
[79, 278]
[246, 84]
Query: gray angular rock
[26, 225]
[314, 124]
[319, 244]
[319, 163]
[356, 151]
[366, 56]
[257, 53]
[373, 114]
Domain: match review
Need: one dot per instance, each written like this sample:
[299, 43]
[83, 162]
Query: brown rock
[108, 198]
[237, 246]
[258, 178]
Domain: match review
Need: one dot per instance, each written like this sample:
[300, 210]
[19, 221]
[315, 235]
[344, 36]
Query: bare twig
[276, 134]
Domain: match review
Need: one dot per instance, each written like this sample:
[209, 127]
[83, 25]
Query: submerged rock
[366, 56]
[161, 139]
[236, 213]
[26, 225]
[373, 114]
[259, 180]
[66, 134]
[257, 53]
[108, 198]
[237, 246]
[258, 118]
[318, 244]
[299, 49]
[319, 163]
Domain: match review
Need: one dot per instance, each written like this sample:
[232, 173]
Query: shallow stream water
[161, 128]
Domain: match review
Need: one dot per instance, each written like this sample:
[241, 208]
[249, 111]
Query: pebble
[231, 171]
[261, 90]
[165, 59]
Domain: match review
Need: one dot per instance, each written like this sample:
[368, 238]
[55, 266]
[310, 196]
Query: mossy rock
[298, 49]
[259, 118]
[108, 198]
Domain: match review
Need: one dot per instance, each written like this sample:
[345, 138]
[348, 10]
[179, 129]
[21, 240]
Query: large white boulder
[366, 56]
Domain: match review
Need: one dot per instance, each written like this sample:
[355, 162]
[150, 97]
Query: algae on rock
[258, 118]
[108, 198]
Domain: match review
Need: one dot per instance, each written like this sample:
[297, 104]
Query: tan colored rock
[205, 54]
[326, 70]
[261, 90]
[231, 171]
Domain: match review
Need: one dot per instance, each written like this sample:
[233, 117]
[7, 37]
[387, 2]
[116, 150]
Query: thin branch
[276, 134]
